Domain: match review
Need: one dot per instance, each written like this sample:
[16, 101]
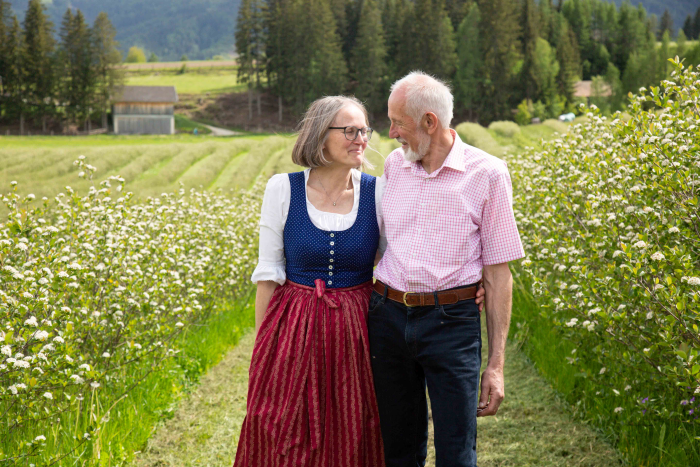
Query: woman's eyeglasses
[351, 132]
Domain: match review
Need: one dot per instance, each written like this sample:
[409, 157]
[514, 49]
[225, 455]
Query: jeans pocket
[466, 310]
[375, 301]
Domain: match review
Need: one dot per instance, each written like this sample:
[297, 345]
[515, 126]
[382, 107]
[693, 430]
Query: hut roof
[585, 89]
[153, 94]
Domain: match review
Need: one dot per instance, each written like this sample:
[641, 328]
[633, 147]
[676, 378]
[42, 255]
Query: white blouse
[275, 208]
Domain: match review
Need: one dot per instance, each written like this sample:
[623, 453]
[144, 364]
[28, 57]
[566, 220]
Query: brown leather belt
[446, 297]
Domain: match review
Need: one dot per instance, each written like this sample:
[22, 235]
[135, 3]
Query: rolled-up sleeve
[500, 240]
[273, 216]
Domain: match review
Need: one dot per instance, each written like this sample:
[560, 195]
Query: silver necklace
[324, 190]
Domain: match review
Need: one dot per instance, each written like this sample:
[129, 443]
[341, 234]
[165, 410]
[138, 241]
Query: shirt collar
[455, 158]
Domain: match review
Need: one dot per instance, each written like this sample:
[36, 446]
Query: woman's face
[337, 149]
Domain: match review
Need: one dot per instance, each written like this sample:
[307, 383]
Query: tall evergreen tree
[406, 39]
[108, 73]
[530, 27]
[12, 78]
[457, 10]
[569, 60]
[468, 75]
[664, 54]
[545, 69]
[665, 25]
[696, 24]
[77, 55]
[369, 59]
[499, 31]
[681, 45]
[432, 48]
[4, 27]
[38, 59]
[250, 45]
[688, 28]
[631, 34]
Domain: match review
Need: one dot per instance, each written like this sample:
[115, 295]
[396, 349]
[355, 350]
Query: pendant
[333, 204]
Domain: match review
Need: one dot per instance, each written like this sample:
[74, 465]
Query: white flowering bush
[94, 290]
[609, 217]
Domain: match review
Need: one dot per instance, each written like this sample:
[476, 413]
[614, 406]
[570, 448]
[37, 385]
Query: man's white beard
[423, 147]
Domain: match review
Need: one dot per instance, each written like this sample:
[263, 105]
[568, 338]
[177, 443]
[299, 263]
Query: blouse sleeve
[275, 208]
[380, 184]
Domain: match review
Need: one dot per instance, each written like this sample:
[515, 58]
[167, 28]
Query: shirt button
[332, 243]
[332, 252]
[330, 273]
[332, 235]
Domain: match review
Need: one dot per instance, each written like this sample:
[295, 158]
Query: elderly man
[449, 221]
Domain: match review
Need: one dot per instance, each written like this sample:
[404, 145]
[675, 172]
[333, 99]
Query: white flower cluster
[629, 209]
[103, 286]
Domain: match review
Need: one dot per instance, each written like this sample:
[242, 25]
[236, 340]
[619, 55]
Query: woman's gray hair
[425, 93]
[313, 129]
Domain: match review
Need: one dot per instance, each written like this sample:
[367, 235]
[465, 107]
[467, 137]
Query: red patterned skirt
[311, 398]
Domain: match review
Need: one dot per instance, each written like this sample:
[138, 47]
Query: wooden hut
[144, 110]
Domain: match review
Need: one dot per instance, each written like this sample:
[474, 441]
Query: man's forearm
[498, 283]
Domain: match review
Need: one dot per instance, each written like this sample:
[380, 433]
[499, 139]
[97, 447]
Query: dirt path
[531, 429]
[216, 131]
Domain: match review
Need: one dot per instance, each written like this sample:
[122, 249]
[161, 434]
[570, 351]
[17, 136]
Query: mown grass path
[532, 428]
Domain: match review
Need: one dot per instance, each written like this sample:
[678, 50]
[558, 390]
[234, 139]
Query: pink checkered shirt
[443, 227]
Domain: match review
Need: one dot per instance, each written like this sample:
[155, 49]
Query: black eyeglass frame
[367, 131]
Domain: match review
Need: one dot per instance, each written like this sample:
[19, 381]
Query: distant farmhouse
[146, 110]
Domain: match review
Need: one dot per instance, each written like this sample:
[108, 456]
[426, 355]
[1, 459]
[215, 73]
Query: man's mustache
[401, 140]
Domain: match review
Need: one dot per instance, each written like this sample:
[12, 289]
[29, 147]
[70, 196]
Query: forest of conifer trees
[56, 82]
[498, 55]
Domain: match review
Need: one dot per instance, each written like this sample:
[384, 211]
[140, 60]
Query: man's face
[415, 141]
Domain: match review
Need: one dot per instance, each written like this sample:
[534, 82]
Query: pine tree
[38, 59]
[688, 28]
[468, 75]
[499, 30]
[545, 68]
[108, 72]
[681, 45]
[664, 55]
[327, 70]
[12, 78]
[457, 10]
[4, 23]
[529, 37]
[369, 59]
[569, 60]
[250, 45]
[432, 48]
[666, 25]
[406, 40]
[696, 24]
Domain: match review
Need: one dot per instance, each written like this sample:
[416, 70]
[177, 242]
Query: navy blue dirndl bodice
[340, 259]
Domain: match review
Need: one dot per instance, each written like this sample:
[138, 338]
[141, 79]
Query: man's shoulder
[480, 161]
[395, 158]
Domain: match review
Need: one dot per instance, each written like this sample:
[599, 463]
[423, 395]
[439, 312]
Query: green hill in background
[204, 28]
[170, 28]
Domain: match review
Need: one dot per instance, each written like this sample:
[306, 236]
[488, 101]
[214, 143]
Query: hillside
[204, 28]
[170, 28]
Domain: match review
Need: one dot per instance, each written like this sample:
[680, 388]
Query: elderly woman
[311, 396]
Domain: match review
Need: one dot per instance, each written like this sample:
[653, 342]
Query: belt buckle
[404, 298]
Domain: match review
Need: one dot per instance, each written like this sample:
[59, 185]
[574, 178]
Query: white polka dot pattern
[342, 258]
[443, 227]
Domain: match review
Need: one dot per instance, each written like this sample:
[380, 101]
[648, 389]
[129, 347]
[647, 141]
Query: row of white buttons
[330, 266]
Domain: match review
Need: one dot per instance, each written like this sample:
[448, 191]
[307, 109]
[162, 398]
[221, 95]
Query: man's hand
[492, 392]
[480, 297]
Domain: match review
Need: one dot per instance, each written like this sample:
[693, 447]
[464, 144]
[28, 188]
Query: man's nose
[392, 132]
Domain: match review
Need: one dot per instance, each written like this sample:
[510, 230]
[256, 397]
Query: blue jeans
[438, 345]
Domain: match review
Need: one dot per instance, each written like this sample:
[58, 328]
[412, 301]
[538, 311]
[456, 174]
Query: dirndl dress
[311, 398]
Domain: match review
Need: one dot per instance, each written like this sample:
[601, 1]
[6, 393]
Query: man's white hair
[425, 93]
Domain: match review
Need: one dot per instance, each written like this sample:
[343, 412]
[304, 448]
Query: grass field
[213, 81]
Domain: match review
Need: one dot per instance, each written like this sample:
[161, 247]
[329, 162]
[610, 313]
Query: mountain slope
[170, 28]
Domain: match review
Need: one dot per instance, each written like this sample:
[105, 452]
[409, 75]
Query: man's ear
[430, 121]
